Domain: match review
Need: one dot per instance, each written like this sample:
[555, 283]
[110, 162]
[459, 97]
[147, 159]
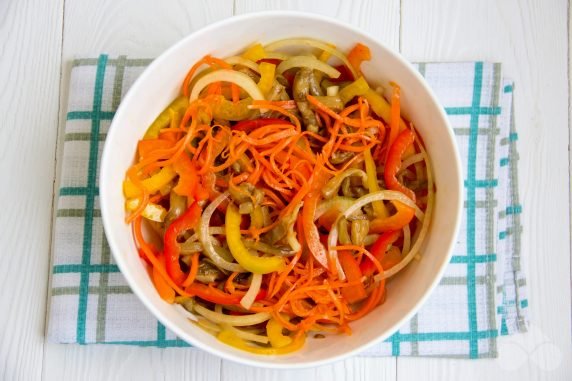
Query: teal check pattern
[482, 295]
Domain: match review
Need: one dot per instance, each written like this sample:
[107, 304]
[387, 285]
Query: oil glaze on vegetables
[278, 193]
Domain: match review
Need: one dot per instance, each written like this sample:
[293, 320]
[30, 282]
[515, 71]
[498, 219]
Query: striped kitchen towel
[483, 292]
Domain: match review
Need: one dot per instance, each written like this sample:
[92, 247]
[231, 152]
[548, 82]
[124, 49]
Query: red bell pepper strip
[214, 295]
[397, 221]
[393, 163]
[353, 273]
[345, 74]
[357, 55]
[247, 125]
[378, 249]
[171, 248]
[394, 117]
[273, 61]
[146, 146]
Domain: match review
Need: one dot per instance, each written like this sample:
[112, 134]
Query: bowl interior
[160, 84]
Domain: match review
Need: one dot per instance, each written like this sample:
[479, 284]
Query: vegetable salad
[275, 196]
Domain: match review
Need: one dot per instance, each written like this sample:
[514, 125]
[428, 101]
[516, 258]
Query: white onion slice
[406, 239]
[253, 290]
[424, 228]
[411, 160]
[364, 200]
[238, 60]
[205, 237]
[236, 321]
[224, 75]
[315, 44]
[310, 62]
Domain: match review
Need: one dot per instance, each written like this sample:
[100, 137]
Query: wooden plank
[30, 46]
[379, 18]
[138, 29]
[529, 38]
[116, 362]
[357, 368]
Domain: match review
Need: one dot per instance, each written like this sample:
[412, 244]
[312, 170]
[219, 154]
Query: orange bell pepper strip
[353, 273]
[147, 146]
[357, 55]
[378, 249]
[165, 291]
[397, 221]
[393, 163]
[188, 184]
[171, 248]
[212, 294]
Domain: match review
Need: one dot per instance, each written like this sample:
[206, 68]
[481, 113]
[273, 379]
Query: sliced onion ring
[224, 75]
[238, 60]
[235, 321]
[315, 44]
[424, 228]
[310, 62]
[364, 200]
[253, 290]
[205, 237]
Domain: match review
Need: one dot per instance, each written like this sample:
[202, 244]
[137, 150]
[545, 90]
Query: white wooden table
[39, 38]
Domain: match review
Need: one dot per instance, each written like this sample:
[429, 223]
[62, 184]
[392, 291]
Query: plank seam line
[54, 193]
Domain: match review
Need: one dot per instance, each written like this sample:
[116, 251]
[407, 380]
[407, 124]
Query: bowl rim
[106, 160]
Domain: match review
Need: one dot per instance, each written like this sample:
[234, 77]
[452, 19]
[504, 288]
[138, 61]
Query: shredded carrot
[289, 168]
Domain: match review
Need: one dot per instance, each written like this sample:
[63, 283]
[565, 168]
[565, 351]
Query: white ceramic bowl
[160, 83]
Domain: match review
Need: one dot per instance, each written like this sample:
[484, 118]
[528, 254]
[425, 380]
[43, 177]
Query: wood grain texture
[30, 48]
[528, 37]
[115, 362]
[138, 29]
[357, 368]
[380, 18]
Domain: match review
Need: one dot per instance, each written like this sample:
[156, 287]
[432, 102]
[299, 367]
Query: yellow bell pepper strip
[379, 209]
[153, 212]
[325, 55]
[378, 249]
[257, 218]
[267, 74]
[147, 147]
[229, 110]
[254, 53]
[357, 55]
[152, 184]
[394, 116]
[353, 273]
[179, 105]
[230, 338]
[252, 263]
[354, 89]
[186, 221]
[397, 221]
[393, 163]
[274, 333]
[165, 291]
